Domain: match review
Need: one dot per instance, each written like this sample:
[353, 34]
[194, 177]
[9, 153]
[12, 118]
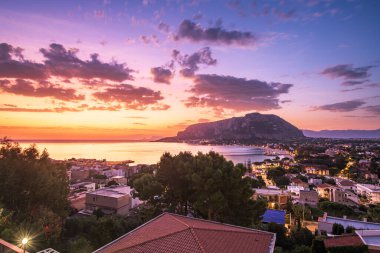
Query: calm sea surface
[143, 152]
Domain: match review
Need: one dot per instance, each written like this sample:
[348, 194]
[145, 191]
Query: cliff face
[252, 127]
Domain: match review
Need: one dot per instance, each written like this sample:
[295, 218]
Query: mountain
[344, 134]
[251, 128]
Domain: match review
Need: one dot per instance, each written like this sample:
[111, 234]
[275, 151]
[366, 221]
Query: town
[324, 196]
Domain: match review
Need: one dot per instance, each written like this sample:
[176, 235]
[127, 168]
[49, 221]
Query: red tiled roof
[324, 185]
[174, 233]
[344, 240]
[346, 183]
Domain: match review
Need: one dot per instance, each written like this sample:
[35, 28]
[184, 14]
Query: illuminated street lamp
[24, 242]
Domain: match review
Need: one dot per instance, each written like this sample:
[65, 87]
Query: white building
[372, 192]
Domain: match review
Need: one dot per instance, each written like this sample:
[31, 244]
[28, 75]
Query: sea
[145, 152]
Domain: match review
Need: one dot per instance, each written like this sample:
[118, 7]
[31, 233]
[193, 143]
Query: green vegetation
[207, 185]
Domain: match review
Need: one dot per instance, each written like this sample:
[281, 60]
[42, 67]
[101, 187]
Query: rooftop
[343, 240]
[370, 187]
[357, 224]
[175, 233]
[267, 191]
[114, 192]
[277, 216]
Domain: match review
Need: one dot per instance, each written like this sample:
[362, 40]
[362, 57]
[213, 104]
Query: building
[317, 170]
[84, 186]
[113, 200]
[343, 242]
[295, 189]
[371, 238]
[325, 223]
[324, 190]
[308, 197]
[346, 184]
[175, 233]
[315, 181]
[371, 192]
[274, 197]
[276, 216]
[298, 182]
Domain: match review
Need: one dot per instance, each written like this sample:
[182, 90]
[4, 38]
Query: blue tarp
[277, 216]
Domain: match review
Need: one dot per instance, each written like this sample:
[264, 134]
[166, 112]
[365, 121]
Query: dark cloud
[13, 64]
[149, 39]
[132, 97]
[347, 71]
[286, 101]
[374, 85]
[217, 35]
[42, 89]
[163, 27]
[353, 82]
[189, 63]
[237, 94]
[375, 109]
[354, 89]
[346, 106]
[161, 75]
[160, 107]
[65, 63]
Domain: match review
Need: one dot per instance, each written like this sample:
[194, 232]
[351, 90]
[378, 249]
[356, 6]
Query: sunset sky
[115, 69]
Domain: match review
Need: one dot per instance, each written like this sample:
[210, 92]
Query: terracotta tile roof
[346, 183]
[324, 185]
[174, 233]
[344, 240]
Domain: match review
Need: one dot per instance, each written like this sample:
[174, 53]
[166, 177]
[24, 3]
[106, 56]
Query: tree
[302, 236]
[282, 181]
[206, 184]
[258, 183]
[301, 249]
[79, 245]
[350, 230]
[281, 239]
[337, 229]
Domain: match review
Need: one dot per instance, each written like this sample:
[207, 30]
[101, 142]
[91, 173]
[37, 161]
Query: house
[298, 182]
[308, 197]
[175, 233]
[315, 181]
[371, 238]
[324, 190]
[317, 170]
[346, 184]
[274, 197]
[325, 223]
[369, 191]
[112, 200]
[295, 189]
[276, 216]
[343, 242]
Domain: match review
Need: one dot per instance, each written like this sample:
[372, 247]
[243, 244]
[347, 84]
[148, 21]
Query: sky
[141, 70]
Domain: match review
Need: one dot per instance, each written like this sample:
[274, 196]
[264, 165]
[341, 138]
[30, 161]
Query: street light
[24, 242]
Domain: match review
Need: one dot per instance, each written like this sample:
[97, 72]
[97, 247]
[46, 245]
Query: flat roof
[270, 191]
[354, 223]
[371, 187]
[114, 192]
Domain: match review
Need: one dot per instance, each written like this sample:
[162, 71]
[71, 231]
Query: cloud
[135, 117]
[42, 89]
[353, 82]
[161, 75]
[149, 39]
[65, 63]
[284, 15]
[217, 35]
[23, 109]
[132, 97]
[236, 94]
[189, 63]
[346, 106]
[163, 27]
[354, 89]
[20, 68]
[347, 71]
[375, 109]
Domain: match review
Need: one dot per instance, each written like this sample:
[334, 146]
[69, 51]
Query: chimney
[345, 217]
[365, 219]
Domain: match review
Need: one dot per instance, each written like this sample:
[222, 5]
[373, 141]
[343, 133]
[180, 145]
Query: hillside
[251, 128]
